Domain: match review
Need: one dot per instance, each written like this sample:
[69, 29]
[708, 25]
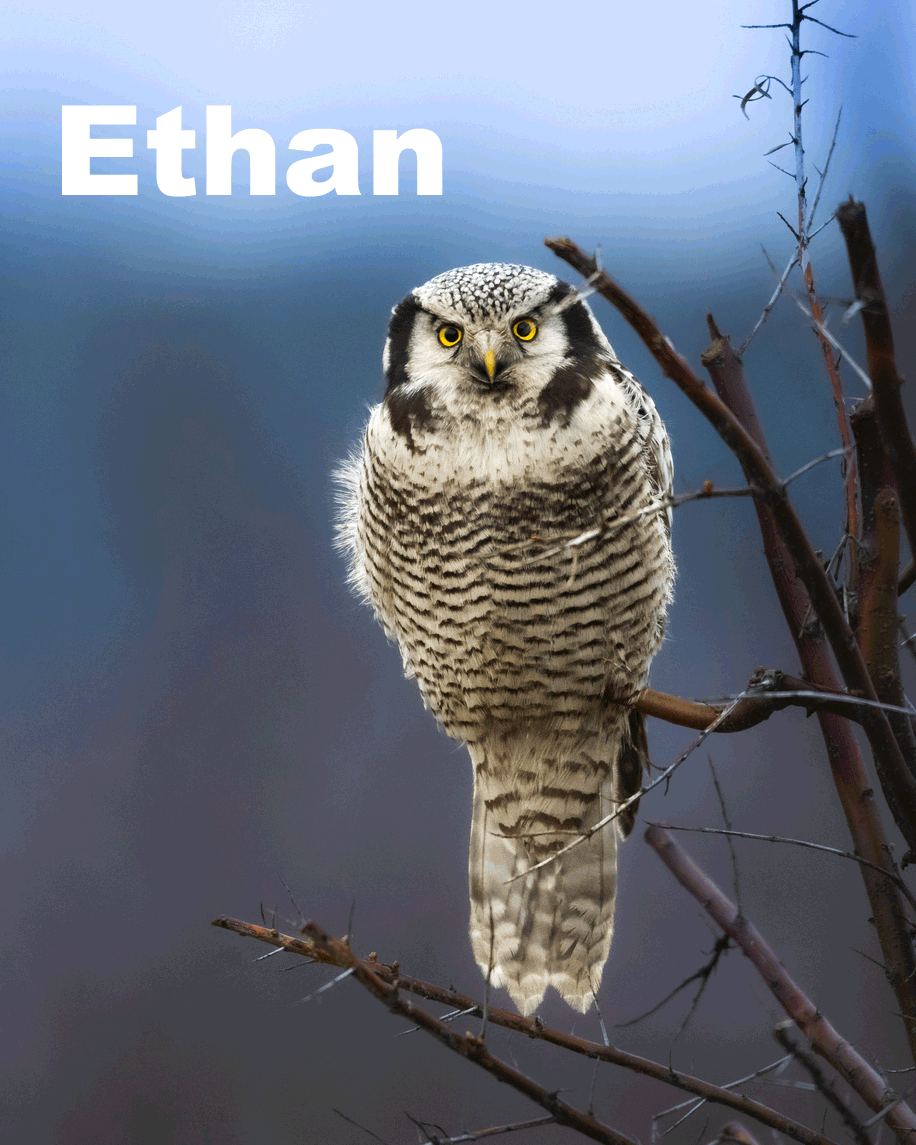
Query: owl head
[488, 335]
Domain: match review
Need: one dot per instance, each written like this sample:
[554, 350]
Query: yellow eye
[525, 329]
[450, 336]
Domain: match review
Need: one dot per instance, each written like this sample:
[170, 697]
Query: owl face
[491, 336]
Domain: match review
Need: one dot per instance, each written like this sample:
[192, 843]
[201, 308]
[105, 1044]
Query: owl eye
[450, 335]
[525, 329]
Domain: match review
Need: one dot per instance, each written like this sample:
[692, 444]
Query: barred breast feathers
[508, 430]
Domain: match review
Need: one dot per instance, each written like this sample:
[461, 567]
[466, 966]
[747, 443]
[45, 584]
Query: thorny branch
[341, 956]
[822, 1036]
[467, 1045]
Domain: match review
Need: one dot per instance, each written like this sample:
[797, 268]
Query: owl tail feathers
[551, 926]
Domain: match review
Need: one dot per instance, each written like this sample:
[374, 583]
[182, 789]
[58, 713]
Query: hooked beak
[488, 346]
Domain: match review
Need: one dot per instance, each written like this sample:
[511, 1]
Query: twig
[467, 1045]
[823, 175]
[767, 692]
[703, 974]
[778, 1065]
[497, 1130]
[822, 1036]
[727, 833]
[852, 1123]
[350, 1120]
[621, 807]
[895, 878]
[774, 298]
[533, 1028]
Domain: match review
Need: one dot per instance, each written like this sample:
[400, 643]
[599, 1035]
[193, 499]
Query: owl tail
[550, 926]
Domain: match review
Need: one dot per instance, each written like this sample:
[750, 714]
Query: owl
[506, 518]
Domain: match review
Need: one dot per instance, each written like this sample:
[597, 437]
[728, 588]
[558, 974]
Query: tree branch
[852, 1123]
[787, 530]
[882, 367]
[530, 1027]
[770, 691]
[467, 1045]
[822, 1036]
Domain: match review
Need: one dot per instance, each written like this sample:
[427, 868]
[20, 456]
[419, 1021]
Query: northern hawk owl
[506, 518]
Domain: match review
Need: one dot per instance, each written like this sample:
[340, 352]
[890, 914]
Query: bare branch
[534, 1028]
[823, 175]
[793, 261]
[621, 807]
[882, 367]
[767, 692]
[350, 1121]
[702, 975]
[822, 1036]
[852, 1123]
[480, 1134]
[911, 899]
[467, 1045]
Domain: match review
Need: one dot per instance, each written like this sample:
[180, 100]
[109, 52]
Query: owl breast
[516, 564]
[506, 518]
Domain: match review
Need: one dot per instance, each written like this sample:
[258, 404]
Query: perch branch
[822, 1036]
[530, 1027]
[768, 692]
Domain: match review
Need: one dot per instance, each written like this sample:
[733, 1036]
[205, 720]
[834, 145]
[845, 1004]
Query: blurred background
[194, 706]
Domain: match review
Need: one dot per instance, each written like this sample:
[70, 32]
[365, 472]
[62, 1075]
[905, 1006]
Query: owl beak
[489, 360]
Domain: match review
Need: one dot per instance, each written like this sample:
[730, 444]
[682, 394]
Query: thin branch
[821, 330]
[497, 1130]
[769, 306]
[823, 175]
[778, 1066]
[467, 1045]
[703, 975]
[824, 1087]
[350, 1120]
[822, 1036]
[536, 1029]
[911, 899]
[621, 807]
